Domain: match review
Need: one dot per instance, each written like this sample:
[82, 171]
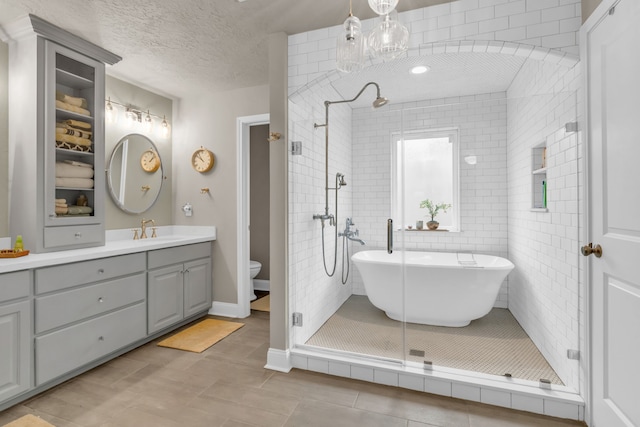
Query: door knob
[589, 249]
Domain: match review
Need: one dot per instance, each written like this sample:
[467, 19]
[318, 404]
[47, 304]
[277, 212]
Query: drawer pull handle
[101, 271]
[100, 338]
[100, 300]
[78, 235]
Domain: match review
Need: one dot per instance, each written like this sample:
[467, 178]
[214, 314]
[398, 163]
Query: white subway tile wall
[496, 217]
[544, 287]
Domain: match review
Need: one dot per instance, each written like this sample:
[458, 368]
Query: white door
[613, 64]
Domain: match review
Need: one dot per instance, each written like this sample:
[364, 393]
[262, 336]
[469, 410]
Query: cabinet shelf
[539, 171]
[66, 114]
[67, 78]
[74, 189]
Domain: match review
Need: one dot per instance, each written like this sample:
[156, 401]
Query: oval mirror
[134, 174]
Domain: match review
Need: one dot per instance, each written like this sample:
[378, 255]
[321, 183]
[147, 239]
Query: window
[425, 167]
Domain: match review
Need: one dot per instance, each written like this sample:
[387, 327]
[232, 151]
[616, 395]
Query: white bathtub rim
[359, 257]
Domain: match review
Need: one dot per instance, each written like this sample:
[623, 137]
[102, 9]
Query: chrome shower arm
[327, 103]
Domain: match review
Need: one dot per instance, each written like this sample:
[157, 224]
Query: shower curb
[556, 401]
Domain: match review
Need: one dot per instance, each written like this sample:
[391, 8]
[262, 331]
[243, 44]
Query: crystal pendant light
[389, 39]
[383, 7]
[351, 45]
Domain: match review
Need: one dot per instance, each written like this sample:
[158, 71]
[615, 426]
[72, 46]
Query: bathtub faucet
[351, 234]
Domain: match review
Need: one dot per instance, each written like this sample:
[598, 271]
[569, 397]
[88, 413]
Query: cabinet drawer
[178, 255]
[61, 308]
[67, 349]
[14, 285]
[77, 235]
[64, 276]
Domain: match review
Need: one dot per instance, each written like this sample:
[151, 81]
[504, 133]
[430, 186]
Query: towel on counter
[65, 170]
[60, 137]
[74, 182]
[73, 100]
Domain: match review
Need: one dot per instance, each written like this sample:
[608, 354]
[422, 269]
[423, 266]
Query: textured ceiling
[186, 46]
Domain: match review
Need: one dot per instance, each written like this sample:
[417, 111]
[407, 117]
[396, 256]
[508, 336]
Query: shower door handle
[389, 235]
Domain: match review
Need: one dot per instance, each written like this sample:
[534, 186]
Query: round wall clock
[150, 161]
[202, 160]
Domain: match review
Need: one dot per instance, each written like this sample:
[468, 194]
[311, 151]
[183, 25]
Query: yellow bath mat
[262, 304]
[29, 421]
[201, 336]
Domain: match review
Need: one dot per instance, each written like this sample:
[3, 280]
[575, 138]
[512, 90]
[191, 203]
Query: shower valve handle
[389, 235]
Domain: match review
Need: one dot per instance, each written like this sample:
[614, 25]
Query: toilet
[254, 267]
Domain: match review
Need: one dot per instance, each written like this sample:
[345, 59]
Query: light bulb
[389, 39]
[109, 114]
[164, 127]
[148, 123]
[350, 46]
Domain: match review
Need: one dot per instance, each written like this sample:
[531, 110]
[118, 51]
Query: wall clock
[202, 160]
[150, 161]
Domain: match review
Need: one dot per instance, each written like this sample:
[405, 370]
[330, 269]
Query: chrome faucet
[143, 234]
[351, 234]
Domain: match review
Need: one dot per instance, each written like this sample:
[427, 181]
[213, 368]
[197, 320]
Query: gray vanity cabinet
[179, 284]
[86, 311]
[15, 334]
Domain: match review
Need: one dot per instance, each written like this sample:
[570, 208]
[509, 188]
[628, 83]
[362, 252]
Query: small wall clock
[202, 160]
[150, 161]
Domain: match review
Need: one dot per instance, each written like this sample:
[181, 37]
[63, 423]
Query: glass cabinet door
[73, 138]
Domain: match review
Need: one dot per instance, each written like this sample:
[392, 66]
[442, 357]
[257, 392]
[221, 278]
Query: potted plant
[433, 211]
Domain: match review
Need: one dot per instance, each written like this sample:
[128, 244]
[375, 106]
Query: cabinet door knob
[78, 235]
[101, 338]
[100, 300]
[101, 271]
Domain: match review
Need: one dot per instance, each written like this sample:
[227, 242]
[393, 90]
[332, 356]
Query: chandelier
[388, 39]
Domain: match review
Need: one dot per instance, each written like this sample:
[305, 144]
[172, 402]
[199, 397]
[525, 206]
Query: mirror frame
[160, 170]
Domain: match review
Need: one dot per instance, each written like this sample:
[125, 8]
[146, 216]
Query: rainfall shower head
[380, 101]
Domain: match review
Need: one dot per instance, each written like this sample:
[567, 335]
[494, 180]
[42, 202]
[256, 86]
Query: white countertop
[118, 242]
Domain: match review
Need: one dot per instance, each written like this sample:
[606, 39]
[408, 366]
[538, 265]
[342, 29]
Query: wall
[588, 6]
[481, 121]
[139, 98]
[209, 120]
[544, 287]
[311, 291]
[4, 139]
[259, 197]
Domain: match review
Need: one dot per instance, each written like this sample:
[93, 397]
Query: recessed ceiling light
[419, 69]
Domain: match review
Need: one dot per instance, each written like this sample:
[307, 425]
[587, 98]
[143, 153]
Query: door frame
[243, 125]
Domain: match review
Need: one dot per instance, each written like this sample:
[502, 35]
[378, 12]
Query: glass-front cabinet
[56, 137]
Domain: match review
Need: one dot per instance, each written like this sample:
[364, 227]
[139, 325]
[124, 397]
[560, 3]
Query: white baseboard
[225, 309]
[261, 285]
[278, 360]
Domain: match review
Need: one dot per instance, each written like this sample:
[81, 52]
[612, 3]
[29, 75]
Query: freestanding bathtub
[442, 289]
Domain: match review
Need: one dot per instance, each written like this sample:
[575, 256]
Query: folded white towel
[76, 163]
[65, 170]
[74, 182]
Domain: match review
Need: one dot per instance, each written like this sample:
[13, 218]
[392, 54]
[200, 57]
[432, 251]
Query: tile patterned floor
[227, 386]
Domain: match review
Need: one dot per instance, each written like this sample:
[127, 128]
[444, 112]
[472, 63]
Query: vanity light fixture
[136, 118]
[383, 7]
[351, 45]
